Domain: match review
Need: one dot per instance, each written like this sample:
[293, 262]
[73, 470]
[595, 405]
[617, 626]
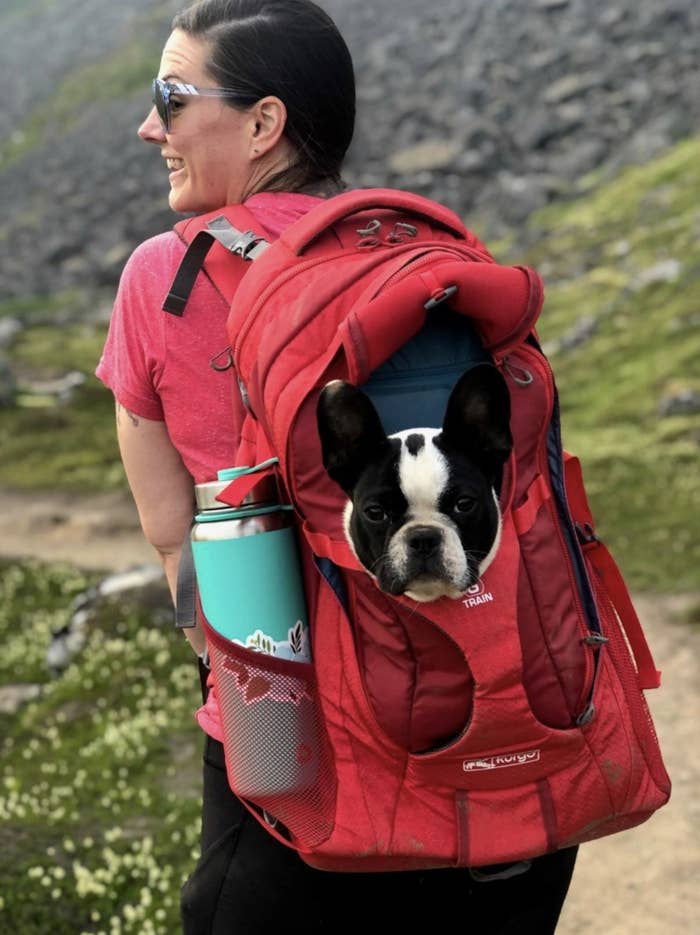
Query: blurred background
[566, 133]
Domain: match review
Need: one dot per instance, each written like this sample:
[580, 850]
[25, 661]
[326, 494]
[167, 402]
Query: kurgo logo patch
[501, 760]
[477, 594]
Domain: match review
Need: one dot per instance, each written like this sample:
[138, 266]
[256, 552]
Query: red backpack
[465, 732]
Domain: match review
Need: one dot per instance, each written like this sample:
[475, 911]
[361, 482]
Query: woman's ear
[268, 120]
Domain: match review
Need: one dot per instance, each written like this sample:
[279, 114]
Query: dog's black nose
[424, 540]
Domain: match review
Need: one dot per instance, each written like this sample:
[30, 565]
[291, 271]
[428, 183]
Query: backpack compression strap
[209, 230]
[606, 567]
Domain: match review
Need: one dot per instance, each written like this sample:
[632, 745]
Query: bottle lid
[265, 491]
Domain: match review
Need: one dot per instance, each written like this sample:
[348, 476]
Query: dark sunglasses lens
[160, 103]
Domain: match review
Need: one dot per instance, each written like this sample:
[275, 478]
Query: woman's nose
[151, 130]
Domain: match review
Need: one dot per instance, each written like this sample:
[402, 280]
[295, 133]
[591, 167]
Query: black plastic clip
[435, 300]
[586, 533]
[586, 716]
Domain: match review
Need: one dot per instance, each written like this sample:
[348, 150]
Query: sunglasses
[163, 92]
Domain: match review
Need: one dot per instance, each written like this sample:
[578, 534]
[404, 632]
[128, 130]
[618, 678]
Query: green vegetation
[47, 442]
[628, 255]
[99, 782]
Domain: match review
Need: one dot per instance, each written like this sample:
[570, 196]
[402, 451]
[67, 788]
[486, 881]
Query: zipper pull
[595, 639]
[518, 375]
[217, 364]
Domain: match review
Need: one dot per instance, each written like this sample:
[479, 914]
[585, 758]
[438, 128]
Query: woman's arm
[163, 492]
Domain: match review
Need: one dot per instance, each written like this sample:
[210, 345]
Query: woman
[255, 102]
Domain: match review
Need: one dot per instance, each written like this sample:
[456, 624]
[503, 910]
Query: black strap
[204, 671]
[187, 271]
[246, 244]
[186, 589]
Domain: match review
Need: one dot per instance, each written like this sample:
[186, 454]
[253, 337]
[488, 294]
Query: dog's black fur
[423, 515]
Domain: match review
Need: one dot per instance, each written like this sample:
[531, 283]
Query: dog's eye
[464, 505]
[375, 513]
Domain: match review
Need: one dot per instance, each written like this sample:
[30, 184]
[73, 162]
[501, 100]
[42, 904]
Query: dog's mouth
[427, 585]
[425, 588]
[426, 563]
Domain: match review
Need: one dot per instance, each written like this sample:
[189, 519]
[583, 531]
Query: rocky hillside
[495, 106]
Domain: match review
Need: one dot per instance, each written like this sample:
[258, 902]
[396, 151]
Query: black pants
[246, 883]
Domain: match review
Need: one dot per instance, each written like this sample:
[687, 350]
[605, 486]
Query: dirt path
[100, 531]
[645, 881]
[640, 882]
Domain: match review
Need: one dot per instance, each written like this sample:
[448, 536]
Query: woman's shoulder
[155, 256]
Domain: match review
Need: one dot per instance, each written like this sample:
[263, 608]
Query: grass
[595, 254]
[99, 799]
[45, 442]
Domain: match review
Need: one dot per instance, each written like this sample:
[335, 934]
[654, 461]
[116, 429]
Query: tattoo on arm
[134, 419]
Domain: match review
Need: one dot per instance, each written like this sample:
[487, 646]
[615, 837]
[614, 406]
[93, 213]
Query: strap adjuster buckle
[245, 244]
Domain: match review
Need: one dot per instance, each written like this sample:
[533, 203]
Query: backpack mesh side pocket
[277, 753]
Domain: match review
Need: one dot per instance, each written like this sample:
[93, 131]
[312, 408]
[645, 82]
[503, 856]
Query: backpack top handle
[303, 232]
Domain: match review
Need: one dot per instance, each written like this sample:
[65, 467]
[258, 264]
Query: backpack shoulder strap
[234, 230]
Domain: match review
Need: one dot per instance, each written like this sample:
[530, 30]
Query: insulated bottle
[247, 567]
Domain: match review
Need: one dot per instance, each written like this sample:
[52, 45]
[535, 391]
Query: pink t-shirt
[157, 364]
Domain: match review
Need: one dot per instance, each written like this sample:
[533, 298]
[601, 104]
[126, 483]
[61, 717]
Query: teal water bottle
[247, 567]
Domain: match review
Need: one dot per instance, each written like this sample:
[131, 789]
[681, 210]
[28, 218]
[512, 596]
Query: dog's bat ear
[477, 419]
[350, 430]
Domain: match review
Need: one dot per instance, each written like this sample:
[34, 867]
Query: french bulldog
[423, 514]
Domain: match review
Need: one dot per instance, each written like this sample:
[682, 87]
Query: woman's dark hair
[290, 49]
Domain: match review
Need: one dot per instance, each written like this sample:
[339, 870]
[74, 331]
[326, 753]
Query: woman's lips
[175, 168]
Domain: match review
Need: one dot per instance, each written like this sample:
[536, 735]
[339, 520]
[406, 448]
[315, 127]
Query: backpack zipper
[424, 260]
[575, 563]
[290, 273]
[420, 250]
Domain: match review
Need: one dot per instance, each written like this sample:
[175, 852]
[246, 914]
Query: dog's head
[423, 515]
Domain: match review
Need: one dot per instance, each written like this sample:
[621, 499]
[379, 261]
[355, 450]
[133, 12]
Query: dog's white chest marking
[423, 472]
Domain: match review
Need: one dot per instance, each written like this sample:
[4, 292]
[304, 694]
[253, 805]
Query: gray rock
[9, 329]
[684, 402]
[12, 697]
[570, 86]
[426, 156]
[61, 388]
[661, 272]
[451, 91]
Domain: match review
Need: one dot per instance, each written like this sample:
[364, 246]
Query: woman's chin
[176, 203]
[179, 200]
